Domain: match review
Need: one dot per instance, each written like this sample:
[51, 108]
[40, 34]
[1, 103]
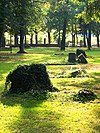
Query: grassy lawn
[57, 113]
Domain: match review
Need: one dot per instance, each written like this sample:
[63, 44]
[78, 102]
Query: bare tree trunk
[73, 36]
[89, 40]
[84, 39]
[76, 34]
[16, 40]
[98, 40]
[25, 39]
[31, 39]
[1, 34]
[3, 43]
[36, 37]
[73, 40]
[21, 46]
[49, 39]
[64, 35]
[59, 41]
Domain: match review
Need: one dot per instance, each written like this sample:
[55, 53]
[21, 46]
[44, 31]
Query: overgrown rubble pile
[25, 78]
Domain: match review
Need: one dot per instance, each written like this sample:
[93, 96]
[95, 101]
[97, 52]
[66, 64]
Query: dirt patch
[90, 66]
[5, 58]
[9, 57]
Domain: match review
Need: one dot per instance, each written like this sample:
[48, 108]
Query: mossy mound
[25, 78]
[84, 95]
[78, 73]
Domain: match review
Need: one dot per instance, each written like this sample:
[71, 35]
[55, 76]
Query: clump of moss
[84, 95]
[78, 73]
[25, 78]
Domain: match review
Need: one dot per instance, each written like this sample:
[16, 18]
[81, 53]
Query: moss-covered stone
[32, 77]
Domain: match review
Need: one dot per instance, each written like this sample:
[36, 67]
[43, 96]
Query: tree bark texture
[64, 35]
[98, 41]
[21, 46]
[84, 39]
[31, 39]
[36, 37]
[16, 40]
[49, 39]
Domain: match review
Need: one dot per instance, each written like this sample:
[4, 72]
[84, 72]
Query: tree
[36, 18]
[96, 30]
[18, 24]
[93, 10]
[57, 19]
[4, 13]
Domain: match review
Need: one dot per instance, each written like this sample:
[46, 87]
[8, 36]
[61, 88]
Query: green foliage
[91, 11]
[29, 78]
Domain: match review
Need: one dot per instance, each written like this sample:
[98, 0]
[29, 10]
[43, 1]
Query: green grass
[57, 113]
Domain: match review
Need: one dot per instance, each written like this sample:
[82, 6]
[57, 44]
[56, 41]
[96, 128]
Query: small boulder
[82, 59]
[72, 57]
[80, 51]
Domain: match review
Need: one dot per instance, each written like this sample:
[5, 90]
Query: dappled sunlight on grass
[57, 113]
[8, 116]
[78, 82]
[25, 114]
[32, 115]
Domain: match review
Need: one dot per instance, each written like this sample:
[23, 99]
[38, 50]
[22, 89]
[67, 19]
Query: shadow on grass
[81, 83]
[35, 116]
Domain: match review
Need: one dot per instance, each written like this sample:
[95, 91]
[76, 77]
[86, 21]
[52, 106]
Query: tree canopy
[23, 16]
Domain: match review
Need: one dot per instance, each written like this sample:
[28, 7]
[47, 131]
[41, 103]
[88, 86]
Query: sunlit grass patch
[8, 115]
[24, 114]
[55, 112]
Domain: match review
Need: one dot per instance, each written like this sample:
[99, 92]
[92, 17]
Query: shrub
[25, 78]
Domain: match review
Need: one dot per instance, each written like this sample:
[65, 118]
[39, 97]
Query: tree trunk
[98, 40]
[21, 46]
[1, 33]
[49, 39]
[36, 37]
[10, 39]
[73, 40]
[76, 34]
[73, 37]
[25, 39]
[44, 41]
[3, 43]
[16, 40]
[89, 40]
[31, 39]
[84, 39]
[59, 43]
[64, 35]
[0, 41]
